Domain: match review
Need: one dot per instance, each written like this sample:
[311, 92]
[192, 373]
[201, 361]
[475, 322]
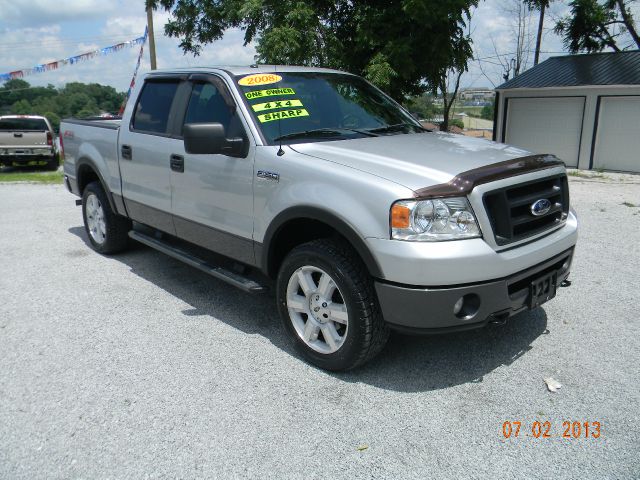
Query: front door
[212, 201]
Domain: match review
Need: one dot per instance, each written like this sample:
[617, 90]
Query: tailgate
[17, 138]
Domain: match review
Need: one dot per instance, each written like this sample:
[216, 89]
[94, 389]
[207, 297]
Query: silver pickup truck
[316, 184]
[27, 140]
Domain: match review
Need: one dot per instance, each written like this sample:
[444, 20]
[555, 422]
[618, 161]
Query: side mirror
[211, 139]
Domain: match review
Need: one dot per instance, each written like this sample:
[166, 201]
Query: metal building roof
[616, 68]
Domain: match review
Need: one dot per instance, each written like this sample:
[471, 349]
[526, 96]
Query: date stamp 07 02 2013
[516, 429]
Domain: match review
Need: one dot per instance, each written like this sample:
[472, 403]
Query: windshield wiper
[396, 126]
[322, 132]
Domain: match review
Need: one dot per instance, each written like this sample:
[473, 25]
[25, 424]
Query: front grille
[509, 208]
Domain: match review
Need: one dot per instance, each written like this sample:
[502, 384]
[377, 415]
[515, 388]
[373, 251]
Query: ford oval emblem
[540, 207]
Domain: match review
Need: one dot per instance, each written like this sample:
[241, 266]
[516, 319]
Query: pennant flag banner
[73, 60]
[135, 74]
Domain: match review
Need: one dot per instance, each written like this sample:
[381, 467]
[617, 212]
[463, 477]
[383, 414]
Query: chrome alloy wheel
[317, 309]
[95, 219]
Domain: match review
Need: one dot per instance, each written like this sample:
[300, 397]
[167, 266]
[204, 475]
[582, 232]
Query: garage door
[618, 135]
[546, 125]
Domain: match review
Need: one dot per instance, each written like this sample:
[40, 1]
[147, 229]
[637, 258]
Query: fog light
[467, 306]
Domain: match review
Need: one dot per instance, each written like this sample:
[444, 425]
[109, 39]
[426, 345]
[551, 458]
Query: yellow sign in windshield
[269, 117]
[269, 93]
[261, 107]
[259, 79]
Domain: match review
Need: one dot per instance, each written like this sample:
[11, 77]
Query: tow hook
[566, 283]
[499, 318]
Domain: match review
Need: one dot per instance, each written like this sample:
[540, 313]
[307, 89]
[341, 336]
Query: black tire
[53, 164]
[366, 333]
[116, 231]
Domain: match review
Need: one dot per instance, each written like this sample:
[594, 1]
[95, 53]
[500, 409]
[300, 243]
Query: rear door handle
[17, 135]
[126, 152]
[177, 163]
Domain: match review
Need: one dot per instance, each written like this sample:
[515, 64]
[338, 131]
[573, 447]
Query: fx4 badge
[268, 175]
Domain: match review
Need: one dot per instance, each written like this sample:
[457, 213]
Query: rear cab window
[23, 124]
[151, 114]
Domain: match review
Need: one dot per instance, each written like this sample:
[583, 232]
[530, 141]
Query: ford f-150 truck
[26, 140]
[316, 184]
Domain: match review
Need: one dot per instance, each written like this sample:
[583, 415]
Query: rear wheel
[53, 164]
[329, 307]
[107, 231]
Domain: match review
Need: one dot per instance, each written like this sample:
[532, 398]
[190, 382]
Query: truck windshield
[23, 124]
[295, 107]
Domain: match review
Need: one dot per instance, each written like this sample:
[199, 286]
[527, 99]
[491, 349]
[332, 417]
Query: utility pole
[539, 37]
[152, 40]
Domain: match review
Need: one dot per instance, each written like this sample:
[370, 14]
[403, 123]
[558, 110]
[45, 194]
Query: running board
[243, 283]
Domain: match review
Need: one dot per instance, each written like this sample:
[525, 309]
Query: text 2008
[511, 429]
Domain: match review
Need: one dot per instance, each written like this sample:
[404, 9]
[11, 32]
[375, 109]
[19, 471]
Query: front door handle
[126, 152]
[177, 163]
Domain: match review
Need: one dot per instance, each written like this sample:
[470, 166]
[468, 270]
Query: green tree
[11, 92]
[53, 119]
[456, 122]
[21, 107]
[594, 25]
[403, 46]
[17, 96]
[88, 111]
[487, 111]
[422, 105]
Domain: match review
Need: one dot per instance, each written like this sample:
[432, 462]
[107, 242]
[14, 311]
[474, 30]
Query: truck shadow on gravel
[407, 364]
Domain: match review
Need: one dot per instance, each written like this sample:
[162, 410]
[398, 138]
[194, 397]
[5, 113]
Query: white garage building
[585, 109]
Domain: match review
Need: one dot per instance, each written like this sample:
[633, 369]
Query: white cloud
[30, 13]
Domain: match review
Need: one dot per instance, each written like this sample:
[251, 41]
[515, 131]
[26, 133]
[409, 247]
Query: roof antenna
[280, 151]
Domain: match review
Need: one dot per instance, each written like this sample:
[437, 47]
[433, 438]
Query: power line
[69, 40]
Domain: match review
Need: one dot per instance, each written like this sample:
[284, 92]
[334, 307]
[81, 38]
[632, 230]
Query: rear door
[213, 194]
[145, 147]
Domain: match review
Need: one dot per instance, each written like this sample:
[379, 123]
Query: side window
[154, 104]
[207, 105]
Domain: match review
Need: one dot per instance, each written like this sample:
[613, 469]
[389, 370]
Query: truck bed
[92, 140]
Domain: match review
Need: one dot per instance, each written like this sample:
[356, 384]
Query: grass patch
[580, 174]
[471, 110]
[629, 204]
[31, 177]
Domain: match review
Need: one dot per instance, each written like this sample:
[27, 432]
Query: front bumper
[431, 310]
[465, 261]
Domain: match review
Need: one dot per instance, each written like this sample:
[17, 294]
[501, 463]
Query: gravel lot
[137, 366]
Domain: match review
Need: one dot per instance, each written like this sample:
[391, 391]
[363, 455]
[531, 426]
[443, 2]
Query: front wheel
[108, 232]
[329, 307]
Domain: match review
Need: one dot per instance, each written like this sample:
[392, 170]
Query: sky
[34, 32]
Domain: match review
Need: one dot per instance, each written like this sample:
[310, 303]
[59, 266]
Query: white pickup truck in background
[27, 140]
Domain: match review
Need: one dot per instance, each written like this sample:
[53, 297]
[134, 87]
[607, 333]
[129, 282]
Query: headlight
[433, 220]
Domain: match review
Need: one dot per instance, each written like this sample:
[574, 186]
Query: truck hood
[413, 160]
